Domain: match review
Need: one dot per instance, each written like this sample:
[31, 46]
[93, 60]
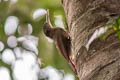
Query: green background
[24, 9]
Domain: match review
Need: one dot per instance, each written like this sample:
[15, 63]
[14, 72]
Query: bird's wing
[63, 47]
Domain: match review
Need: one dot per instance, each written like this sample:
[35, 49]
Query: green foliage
[118, 34]
[112, 28]
[116, 27]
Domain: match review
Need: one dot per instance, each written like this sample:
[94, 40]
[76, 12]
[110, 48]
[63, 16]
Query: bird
[61, 39]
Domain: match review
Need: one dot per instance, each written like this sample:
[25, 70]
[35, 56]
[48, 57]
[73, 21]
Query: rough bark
[102, 60]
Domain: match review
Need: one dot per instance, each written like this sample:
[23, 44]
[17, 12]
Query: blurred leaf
[118, 20]
[118, 34]
[115, 26]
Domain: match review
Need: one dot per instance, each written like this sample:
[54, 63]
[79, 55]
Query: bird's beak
[48, 18]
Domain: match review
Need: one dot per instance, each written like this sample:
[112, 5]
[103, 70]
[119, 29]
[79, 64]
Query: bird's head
[47, 30]
[47, 27]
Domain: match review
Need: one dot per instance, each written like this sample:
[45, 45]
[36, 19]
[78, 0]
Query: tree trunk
[102, 60]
